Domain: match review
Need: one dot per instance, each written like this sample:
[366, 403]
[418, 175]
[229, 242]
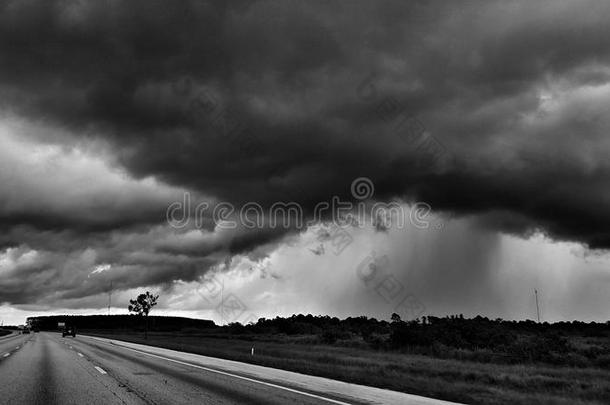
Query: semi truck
[66, 330]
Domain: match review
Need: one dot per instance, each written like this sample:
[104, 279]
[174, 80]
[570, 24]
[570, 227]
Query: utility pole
[222, 302]
[110, 297]
[537, 307]
[227, 264]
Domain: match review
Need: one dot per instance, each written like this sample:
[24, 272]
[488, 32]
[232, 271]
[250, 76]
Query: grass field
[450, 379]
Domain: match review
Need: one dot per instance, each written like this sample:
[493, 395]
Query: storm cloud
[486, 110]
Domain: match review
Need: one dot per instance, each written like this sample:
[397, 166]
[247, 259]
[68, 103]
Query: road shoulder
[289, 379]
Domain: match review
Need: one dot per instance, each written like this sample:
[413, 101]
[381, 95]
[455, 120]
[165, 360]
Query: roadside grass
[449, 379]
[4, 332]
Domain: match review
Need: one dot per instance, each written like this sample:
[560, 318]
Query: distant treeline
[481, 339]
[125, 322]
[470, 329]
[454, 330]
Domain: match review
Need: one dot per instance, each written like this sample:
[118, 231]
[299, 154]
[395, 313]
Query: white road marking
[17, 347]
[101, 370]
[6, 354]
[332, 401]
[80, 354]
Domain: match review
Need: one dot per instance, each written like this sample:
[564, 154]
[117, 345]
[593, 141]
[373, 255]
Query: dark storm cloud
[268, 101]
[64, 269]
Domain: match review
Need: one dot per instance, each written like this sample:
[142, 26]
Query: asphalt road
[44, 368]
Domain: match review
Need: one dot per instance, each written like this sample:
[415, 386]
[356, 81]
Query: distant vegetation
[479, 339]
[120, 322]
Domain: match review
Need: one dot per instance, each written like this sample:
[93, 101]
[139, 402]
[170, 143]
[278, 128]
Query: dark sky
[495, 114]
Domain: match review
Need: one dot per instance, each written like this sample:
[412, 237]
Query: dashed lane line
[101, 370]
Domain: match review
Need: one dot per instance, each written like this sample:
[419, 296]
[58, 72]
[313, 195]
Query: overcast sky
[494, 114]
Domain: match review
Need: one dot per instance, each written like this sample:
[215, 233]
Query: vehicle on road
[68, 331]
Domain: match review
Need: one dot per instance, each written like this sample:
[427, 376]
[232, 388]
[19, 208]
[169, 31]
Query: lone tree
[142, 306]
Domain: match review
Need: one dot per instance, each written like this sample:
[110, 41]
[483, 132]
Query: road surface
[44, 368]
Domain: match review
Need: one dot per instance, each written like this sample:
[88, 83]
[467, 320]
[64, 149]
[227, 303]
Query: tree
[142, 306]
[395, 318]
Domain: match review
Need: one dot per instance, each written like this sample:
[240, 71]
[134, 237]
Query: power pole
[537, 307]
[109, 297]
[222, 303]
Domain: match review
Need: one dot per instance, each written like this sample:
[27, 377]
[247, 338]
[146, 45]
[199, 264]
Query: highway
[44, 368]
